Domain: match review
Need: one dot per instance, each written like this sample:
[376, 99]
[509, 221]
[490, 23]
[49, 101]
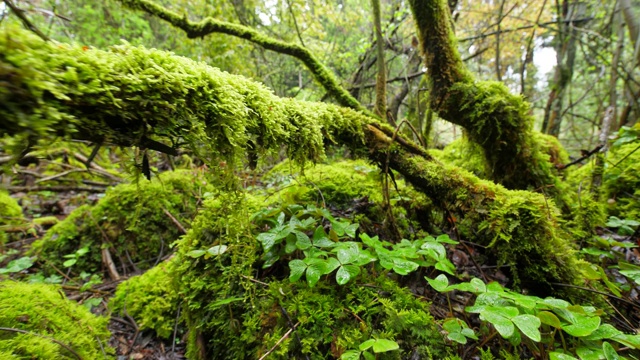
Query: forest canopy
[299, 179]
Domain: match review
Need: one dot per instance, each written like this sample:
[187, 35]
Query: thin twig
[286, 335]
[175, 221]
[585, 156]
[27, 23]
[598, 292]
[175, 331]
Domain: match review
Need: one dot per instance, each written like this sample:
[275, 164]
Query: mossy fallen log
[128, 95]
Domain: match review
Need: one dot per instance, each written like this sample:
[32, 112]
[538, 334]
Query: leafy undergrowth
[312, 266]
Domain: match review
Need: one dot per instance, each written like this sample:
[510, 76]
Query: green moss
[232, 317]
[150, 299]
[128, 94]
[132, 220]
[44, 312]
[336, 184]
[10, 214]
[621, 181]
[353, 186]
[465, 154]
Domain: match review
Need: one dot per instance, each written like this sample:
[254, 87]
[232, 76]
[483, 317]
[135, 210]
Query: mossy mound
[38, 322]
[234, 309]
[10, 214]
[354, 188]
[621, 181]
[465, 154]
[136, 222]
[150, 298]
[336, 184]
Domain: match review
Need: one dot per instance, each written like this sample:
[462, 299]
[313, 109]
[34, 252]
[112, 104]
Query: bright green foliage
[150, 299]
[298, 230]
[621, 181]
[132, 220]
[514, 315]
[465, 154]
[10, 213]
[235, 317]
[44, 312]
[348, 184]
[336, 183]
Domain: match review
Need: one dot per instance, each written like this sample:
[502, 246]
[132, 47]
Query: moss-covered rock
[10, 214]
[235, 309]
[355, 188]
[465, 154]
[336, 183]
[136, 222]
[151, 299]
[38, 322]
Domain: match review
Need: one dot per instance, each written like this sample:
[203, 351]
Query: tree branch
[210, 25]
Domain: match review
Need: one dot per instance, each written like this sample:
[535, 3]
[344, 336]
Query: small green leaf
[457, 337]
[403, 266]
[196, 253]
[314, 271]
[549, 318]
[302, 240]
[268, 240]
[560, 356]
[438, 249]
[609, 352]
[605, 331]
[217, 250]
[351, 230]
[331, 264]
[367, 344]
[348, 254]
[469, 333]
[440, 283]
[529, 325]
[445, 239]
[297, 268]
[69, 263]
[384, 345]
[346, 273]
[350, 355]
[583, 326]
[586, 353]
[504, 326]
[452, 325]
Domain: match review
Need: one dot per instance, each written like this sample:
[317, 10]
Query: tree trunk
[494, 118]
[566, 54]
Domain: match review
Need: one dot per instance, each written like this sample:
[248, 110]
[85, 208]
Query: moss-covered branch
[494, 118]
[127, 94]
[210, 25]
[522, 230]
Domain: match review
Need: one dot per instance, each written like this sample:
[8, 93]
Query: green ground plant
[565, 329]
